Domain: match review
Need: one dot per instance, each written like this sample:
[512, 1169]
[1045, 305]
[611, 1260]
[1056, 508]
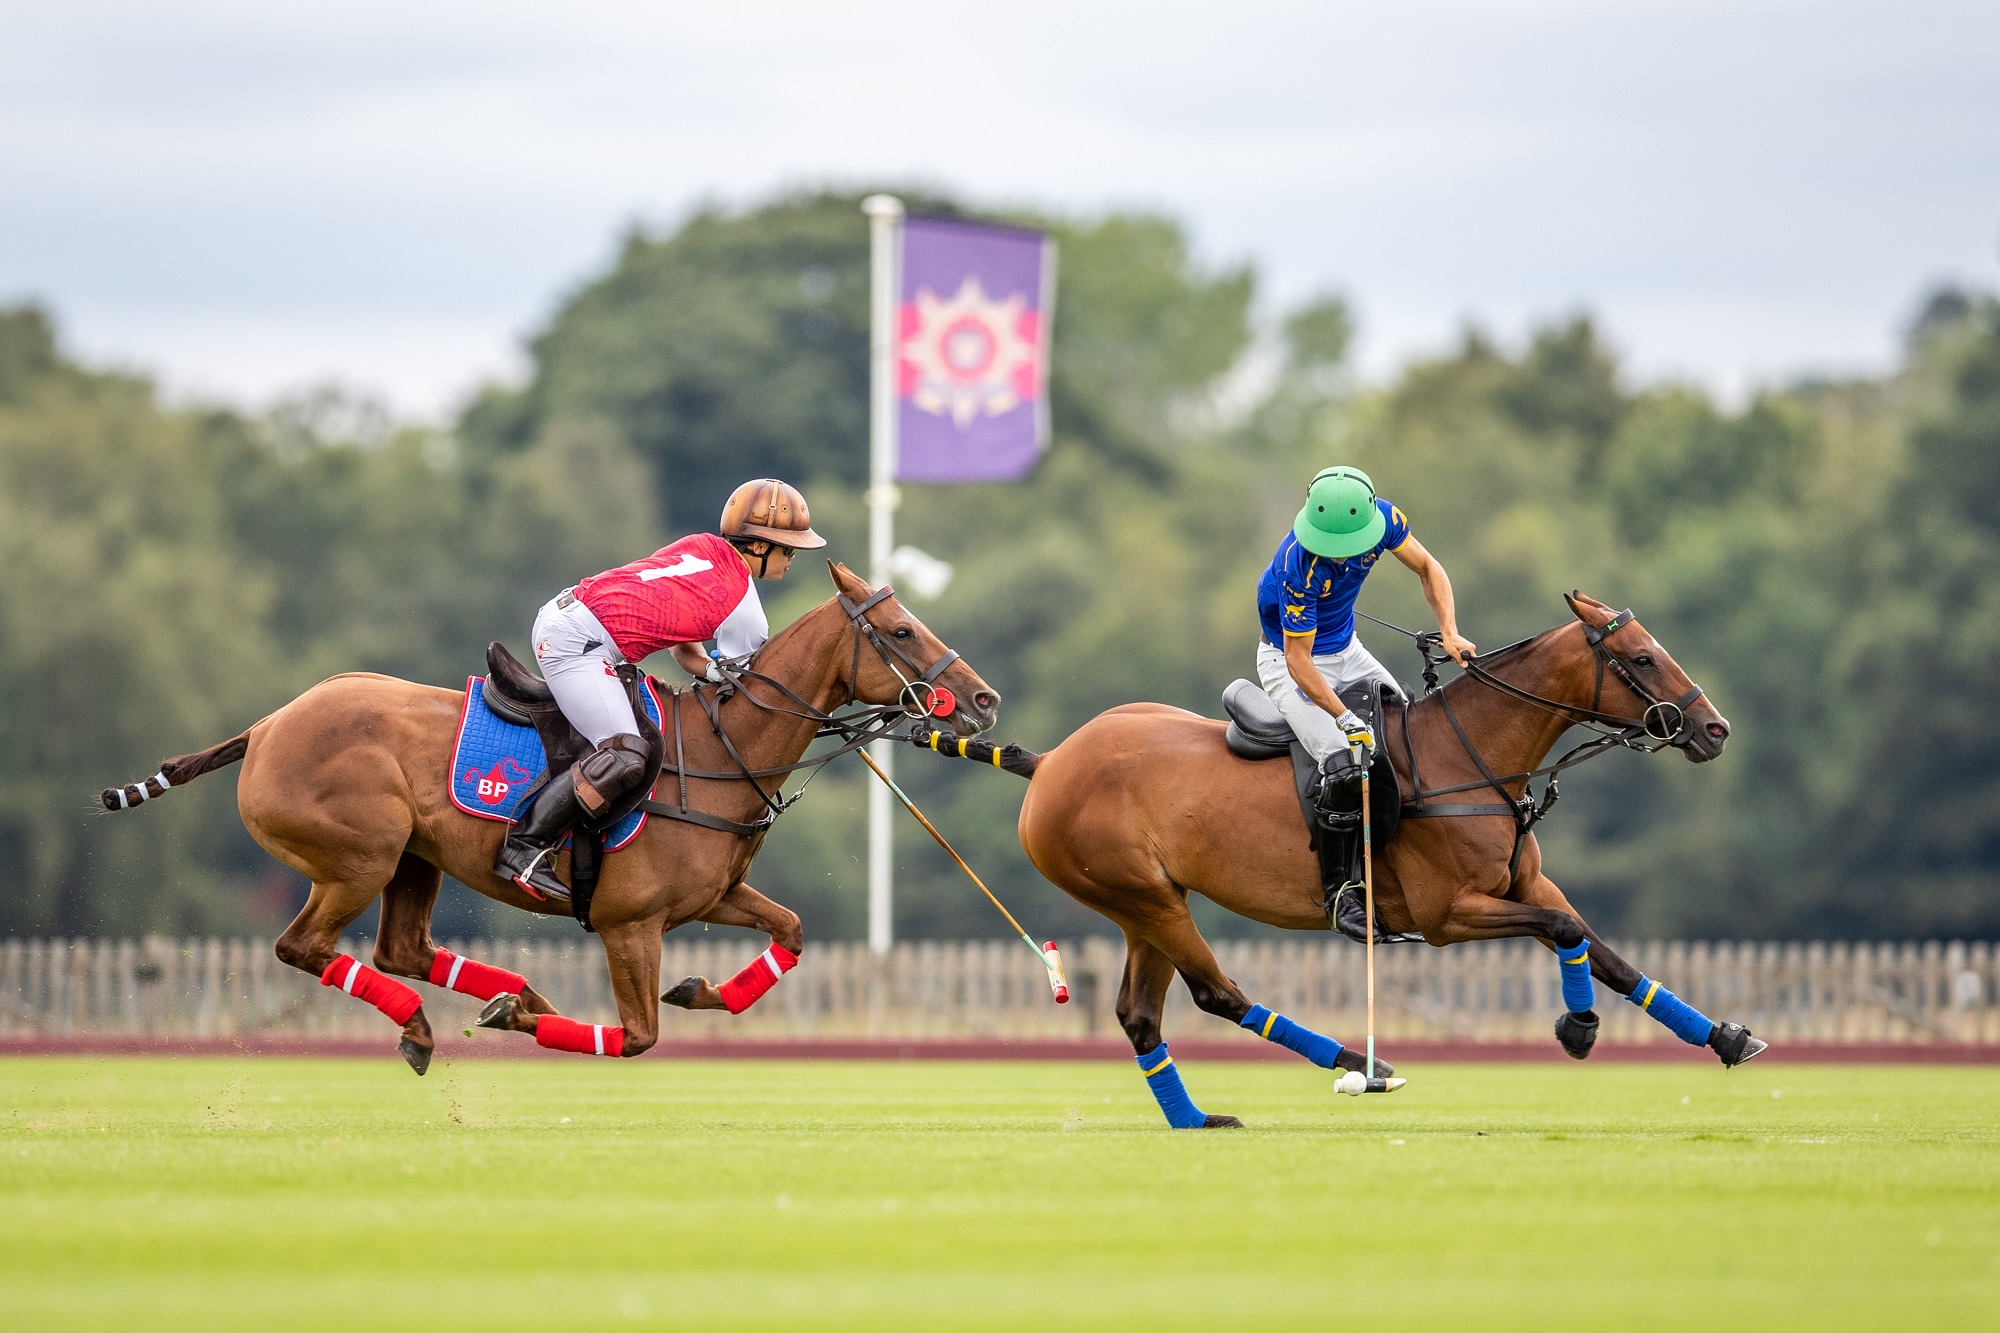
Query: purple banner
[972, 351]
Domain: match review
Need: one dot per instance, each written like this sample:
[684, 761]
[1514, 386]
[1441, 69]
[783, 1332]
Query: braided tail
[1013, 758]
[175, 772]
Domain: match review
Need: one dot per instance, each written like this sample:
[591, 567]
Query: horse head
[1672, 707]
[898, 660]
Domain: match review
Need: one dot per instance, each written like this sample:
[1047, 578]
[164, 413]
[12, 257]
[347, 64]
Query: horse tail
[176, 772]
[1020, 762]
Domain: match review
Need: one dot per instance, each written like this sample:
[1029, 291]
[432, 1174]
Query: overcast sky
[245, 198]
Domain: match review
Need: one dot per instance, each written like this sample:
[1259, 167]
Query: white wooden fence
[1920, 993]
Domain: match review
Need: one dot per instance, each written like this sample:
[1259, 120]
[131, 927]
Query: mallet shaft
[1368, 897]
[1055, 967]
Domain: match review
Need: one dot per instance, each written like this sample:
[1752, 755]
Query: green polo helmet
[1340, 517]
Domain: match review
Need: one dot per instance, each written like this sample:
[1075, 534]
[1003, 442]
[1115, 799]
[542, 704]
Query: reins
[855, 729]
[1663, 723]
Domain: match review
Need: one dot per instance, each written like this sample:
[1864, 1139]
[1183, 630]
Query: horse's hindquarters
[1141, 805]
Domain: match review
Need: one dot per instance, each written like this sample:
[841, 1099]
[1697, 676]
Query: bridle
[1662, 723]
[919, 697]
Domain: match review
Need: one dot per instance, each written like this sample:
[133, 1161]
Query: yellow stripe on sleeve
[1651, 991]
[1158, 1067]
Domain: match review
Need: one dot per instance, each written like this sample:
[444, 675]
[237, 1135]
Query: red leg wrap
[363, 982]
[566, 1034]
[469, 976]
[748, 986]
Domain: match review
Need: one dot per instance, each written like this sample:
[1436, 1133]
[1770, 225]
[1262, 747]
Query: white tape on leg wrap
[771, 961]
[353, 975]
[451, 981]
[597, 1034]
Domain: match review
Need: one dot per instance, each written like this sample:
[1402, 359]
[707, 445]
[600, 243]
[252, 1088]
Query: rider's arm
[690, 658]
[1299, 661]
[1437, 591]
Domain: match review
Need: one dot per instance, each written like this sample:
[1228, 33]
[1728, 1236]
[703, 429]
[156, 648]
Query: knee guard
[608, 773]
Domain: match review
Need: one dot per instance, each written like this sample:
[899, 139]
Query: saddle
[1257, 731]
[517, 695]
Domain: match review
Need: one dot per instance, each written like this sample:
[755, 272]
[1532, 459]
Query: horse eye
[1643, 659]
[903, 632]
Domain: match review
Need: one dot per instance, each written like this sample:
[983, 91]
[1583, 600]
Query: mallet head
[1354, 1083]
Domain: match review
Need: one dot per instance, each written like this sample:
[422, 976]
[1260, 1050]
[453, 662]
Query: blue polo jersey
[1306, 594]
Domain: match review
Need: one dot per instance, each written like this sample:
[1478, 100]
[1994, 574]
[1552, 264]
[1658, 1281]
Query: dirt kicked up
[245, 1193]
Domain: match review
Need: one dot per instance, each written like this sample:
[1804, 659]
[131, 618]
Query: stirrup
[1348, 912]
[541, 864]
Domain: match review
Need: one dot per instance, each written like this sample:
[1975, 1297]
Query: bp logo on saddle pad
[494, 761]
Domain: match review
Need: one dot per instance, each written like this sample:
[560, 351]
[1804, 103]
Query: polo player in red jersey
[701, 587]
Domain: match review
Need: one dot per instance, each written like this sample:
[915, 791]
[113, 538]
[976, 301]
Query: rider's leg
[576, 656]
[744, 906]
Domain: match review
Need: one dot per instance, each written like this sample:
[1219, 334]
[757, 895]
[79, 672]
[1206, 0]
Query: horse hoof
[1733, 1044]
[1222, 1122]
[1356, 1061]
[1577, 1033]
[682, 996]
[497, 1012]
[418, 1056]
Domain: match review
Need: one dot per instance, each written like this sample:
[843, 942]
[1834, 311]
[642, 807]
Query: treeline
[1823, 560]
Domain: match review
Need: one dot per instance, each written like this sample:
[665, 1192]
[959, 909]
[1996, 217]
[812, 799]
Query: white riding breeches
[576, 655]
[1313, 725]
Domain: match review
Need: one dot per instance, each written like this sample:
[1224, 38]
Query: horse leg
[632, 952]
[312, 944]
[404, 946]
[1731, 1042]
[744, 906]
[1142, 1001]
[1216, 994]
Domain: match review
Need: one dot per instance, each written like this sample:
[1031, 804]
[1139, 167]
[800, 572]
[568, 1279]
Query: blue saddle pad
[494, 761]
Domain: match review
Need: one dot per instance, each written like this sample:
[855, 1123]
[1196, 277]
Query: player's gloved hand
[1357, 732]
[714, 671]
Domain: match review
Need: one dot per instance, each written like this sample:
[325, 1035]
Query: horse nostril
[1719, 730]
[984, 701]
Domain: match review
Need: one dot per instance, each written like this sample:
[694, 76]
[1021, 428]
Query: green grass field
[558, 1195]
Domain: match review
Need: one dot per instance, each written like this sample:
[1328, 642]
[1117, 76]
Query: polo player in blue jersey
[1310, 652]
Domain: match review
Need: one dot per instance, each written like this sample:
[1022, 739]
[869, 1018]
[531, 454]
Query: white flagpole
[885, 219]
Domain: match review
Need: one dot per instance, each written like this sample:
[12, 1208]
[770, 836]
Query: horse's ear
[1587, 608]
[846, 581]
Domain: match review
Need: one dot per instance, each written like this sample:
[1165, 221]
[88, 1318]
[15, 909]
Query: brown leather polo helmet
[770, 510]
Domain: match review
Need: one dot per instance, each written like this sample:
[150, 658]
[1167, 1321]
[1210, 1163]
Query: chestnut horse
[1144, 805]
[349, 784]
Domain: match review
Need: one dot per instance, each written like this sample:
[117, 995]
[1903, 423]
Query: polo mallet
[1047, 953]
[1354, 1082]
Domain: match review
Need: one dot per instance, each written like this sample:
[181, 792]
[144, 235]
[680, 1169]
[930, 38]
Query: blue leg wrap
[1295, 1037]
[1578, 993]
[1679, 1017]
[1165, 1081]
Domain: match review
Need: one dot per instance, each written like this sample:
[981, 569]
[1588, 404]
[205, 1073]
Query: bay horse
[349, 784]
[1145, 804]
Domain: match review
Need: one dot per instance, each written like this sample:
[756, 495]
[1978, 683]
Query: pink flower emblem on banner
[969, 356]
